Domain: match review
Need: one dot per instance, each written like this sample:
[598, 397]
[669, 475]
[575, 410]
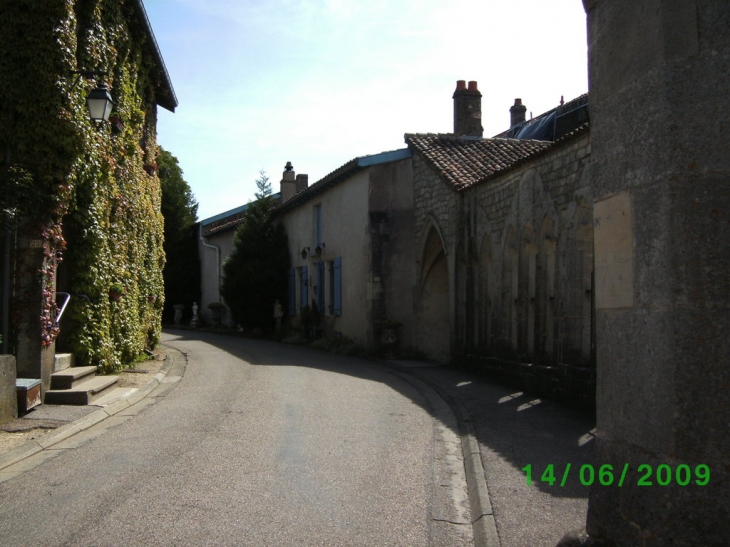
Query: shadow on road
[511, 426]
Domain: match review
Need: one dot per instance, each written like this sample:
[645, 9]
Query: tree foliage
[180, 210]
[255, 273]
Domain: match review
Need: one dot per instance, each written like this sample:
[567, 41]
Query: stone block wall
[659, 73]
[520, 250]
[8, 398]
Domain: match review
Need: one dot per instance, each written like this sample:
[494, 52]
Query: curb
[62, 433]
[484, 525]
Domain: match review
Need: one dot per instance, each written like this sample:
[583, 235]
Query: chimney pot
[517, 113]
[302, 182]
[288, 185]
[467, 110]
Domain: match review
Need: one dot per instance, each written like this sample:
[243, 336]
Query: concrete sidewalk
[69, 421]
[511, 430]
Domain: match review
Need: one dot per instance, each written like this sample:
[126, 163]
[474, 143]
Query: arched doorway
[433, 324]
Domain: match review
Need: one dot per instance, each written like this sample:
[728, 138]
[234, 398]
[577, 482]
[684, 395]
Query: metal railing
[63, 306]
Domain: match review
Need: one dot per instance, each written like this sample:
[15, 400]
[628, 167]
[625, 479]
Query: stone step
[62, 361]
[70, 377]
[81, 394]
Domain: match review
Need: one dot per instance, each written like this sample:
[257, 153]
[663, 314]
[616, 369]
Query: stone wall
[391, 250]
[661, 174]
[437, 209]
[520, 263]
[8, 398]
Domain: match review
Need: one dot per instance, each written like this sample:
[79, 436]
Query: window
[317, 225]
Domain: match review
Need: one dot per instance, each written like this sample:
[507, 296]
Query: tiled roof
[568, 125]
[224, 225]
[341, 174]
[228, 220]
[462, 161]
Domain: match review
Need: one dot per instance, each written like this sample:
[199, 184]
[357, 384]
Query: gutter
[218, 257]
[168, 102]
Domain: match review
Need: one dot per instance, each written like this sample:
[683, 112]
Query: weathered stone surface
[8, 399]
[518, 251]
[660, 110]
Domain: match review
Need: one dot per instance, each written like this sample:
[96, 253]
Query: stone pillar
[33, 359]
[8, 399]
[660, 110]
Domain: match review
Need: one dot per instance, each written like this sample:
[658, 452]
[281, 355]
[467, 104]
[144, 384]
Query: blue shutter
[304, 300]
[292, 298]
[320, 287]
[338, 286]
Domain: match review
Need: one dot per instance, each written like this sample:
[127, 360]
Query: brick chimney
[467, 110]
[302, 182]
[517, 113]
[288, 182]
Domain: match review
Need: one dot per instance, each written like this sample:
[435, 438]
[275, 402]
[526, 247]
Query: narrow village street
[258, 444]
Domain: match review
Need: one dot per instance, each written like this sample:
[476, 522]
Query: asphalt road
[259, 444]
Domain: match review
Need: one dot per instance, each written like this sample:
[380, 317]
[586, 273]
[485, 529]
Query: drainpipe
[218, 257]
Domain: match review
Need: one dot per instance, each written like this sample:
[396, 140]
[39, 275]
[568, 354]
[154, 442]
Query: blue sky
[319, 82]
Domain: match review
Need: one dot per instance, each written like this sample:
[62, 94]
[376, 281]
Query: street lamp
[99, 102]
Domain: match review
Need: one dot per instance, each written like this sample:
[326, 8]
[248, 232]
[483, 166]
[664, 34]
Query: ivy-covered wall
[89, 193]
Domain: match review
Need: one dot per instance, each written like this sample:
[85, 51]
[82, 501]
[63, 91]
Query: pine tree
[255, 273]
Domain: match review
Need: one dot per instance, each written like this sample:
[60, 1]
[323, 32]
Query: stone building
[504, 247]
[479, 250]
[350, 236]
[87, 184]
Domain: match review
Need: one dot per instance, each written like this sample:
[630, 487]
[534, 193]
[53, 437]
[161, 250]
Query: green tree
[180, 210]
[255, 273]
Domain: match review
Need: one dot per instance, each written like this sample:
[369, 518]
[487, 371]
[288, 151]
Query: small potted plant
[116, 292]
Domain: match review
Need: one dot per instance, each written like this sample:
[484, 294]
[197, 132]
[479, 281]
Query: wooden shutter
[338, 286]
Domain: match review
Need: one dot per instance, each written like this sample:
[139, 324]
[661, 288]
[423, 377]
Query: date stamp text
[607, 475]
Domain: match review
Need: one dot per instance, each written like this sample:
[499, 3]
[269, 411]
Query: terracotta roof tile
[462, 161]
